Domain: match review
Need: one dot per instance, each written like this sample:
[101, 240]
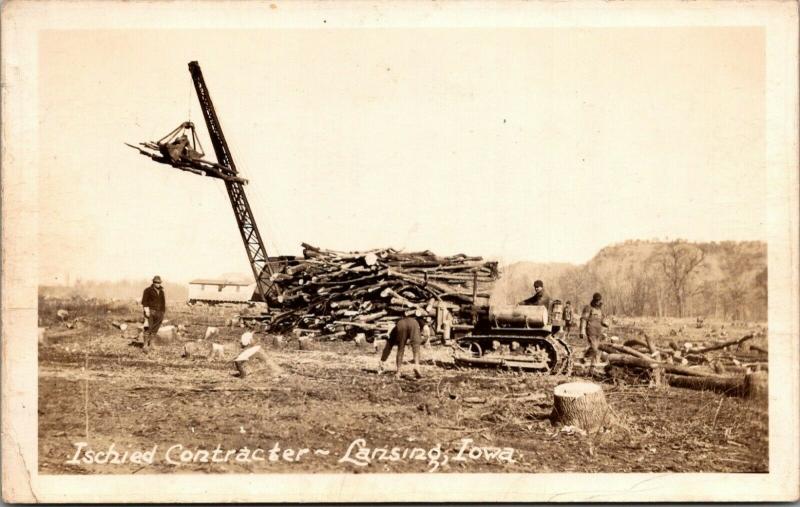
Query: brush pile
[340, 294]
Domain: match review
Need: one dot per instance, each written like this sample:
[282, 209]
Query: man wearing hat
[540, 297]
[154, 307]
[592, 324]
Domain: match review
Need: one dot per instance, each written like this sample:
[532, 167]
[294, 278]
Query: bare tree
[679, 262]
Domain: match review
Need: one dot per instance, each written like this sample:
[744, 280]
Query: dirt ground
[329, 411]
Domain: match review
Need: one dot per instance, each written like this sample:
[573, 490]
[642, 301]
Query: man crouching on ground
[407, 329]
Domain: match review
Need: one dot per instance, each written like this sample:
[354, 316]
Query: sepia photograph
[376, 251]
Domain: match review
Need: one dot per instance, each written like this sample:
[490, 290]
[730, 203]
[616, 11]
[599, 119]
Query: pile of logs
[344, 293]
[734, 367]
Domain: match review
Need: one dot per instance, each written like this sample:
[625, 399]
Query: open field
[97, 386]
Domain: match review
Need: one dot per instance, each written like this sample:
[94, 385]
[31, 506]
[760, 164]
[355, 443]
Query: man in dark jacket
[154, 308]
[405, 330]
[540, 297]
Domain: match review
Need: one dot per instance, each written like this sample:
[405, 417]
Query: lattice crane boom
[256, 252]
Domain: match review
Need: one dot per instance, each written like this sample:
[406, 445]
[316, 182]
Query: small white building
[220, 291]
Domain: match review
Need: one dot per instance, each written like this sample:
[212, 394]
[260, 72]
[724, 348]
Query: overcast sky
[515, 144]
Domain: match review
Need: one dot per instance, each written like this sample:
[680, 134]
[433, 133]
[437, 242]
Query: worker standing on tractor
[154, 306]
[405, 330]
[540, 297]
[592, 324]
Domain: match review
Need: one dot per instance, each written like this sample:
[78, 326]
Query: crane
[181, 149]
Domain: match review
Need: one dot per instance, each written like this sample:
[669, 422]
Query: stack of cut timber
[690, 366]
[345, 293]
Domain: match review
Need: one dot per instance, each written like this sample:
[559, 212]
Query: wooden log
[722, 345]
[612, 348]
[758, 349]
[627, 360]
[372, 316]
[633, 341]
[733, 386]
[651, 344]
[254, 360]
[580, 404]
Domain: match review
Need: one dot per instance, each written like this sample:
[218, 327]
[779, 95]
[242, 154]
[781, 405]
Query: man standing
[406, 329]
[154, 307]
[567, 319]
[592, 324]
[540, 297]
[445, 323]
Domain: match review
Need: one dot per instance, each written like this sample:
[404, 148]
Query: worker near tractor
[540, 297]
[592, 324]
[154, 306]
[568, 322]
[405, 330]
[445, 324]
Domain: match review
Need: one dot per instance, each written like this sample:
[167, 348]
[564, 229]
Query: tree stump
[253, 360]
[247, 339]
[199, 348]
[42, 337]
[580, 404]
[360, 340]
[756, 385]
[277, 341]
[165, 335]
[378, 345]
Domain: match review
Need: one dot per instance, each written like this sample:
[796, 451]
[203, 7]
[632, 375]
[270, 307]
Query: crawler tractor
[514, 337]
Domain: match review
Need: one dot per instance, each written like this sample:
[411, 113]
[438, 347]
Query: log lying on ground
[580, 404]
[254, 360]
[729, 385]
[612, 348]
[626, 360]
[722, 345]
